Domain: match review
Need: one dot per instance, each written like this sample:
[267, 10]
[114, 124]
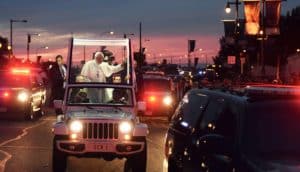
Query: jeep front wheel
[138, 162]
[59, 159]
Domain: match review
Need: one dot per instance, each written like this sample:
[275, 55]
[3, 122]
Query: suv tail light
[5, 94]
[152, 99]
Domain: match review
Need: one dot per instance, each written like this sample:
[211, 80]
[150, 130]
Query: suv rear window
[157, 85]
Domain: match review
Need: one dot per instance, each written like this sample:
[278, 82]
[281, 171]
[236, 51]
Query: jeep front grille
[92, 130]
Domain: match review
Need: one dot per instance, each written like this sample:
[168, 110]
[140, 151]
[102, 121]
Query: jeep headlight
[125, 127]
[76, 126]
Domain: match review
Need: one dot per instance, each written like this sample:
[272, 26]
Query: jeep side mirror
[141, 105]
[214, 144]
[57, 104]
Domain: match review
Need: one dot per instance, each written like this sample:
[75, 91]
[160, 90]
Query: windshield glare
[272, 127]
[100, 64]
[100, 96]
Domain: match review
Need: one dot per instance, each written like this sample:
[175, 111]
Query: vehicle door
[37, 90]
[188, 112]
[215, 138]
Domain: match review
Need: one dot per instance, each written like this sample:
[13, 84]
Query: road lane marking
[28, 147]
[11, 127]
[49, 119]
[3, 162]
[9, 156]
[154, 144]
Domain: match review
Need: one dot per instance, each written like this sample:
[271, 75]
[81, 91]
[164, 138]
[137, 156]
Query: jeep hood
[99, 114]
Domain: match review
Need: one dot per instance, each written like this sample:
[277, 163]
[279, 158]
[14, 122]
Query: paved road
[27, 147]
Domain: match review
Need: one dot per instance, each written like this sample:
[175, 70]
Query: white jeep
[99, 119]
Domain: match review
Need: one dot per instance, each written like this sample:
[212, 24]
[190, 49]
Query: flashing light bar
[20, 71]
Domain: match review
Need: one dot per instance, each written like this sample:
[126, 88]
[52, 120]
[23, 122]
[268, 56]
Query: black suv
[253, 130]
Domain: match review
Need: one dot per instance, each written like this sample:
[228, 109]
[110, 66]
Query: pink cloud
[157, 48]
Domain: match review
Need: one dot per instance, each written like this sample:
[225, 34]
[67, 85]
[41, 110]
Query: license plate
[100, 147]
[3, 109]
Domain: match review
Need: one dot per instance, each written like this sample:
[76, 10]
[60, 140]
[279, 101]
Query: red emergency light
[20, 71]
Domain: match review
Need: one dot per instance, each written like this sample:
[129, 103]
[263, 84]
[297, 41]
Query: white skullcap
[99, 54]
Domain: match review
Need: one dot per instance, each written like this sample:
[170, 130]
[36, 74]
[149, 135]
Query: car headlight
[167, 100]
[76, 126]
[125, 127]
[23, 96]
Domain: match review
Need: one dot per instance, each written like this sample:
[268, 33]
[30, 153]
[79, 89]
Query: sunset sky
[168, 24]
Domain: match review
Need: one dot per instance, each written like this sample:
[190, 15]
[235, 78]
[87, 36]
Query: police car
[22, 93]
[99, 119]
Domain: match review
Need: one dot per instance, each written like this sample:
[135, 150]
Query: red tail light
[152, 99]
[5, 94]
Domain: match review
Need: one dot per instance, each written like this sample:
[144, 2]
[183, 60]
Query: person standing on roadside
[58, 74]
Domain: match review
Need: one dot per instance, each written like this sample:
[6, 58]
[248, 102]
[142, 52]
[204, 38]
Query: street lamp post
[228, 10]
[107, 32]
[237, 23]
[11, 32]
[37, 50]
[201, 54]
[28, 42]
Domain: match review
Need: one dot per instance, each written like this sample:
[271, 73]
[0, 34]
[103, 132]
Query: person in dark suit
[58, 73]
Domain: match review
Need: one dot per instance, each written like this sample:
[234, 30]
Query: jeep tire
[137, 162]
[59, 159]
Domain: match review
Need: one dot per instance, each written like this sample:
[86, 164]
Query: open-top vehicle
[100, 116]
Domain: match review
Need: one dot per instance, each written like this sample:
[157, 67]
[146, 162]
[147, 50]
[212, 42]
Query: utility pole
[28, 42]
[11, 37]
[11, 33]
[84, 54]
[236, 3]
[262, 32]
[140, 38]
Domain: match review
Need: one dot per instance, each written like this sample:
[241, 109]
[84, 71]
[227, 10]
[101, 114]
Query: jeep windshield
[272, 127]
[95, 96]
[100, 61]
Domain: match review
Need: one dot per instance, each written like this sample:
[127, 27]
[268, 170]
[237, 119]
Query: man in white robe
[97, 70]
